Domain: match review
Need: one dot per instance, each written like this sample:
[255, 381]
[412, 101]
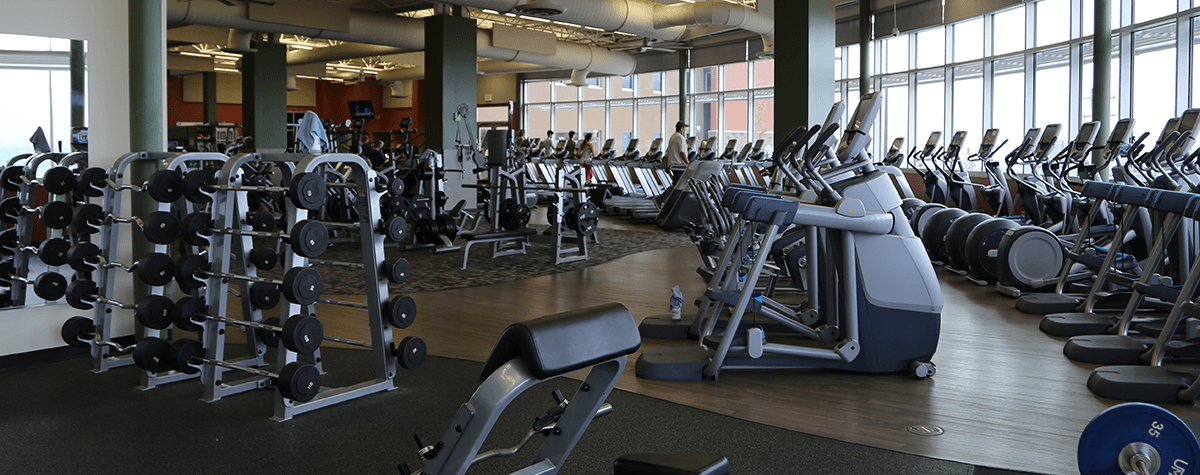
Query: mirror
[45, 127]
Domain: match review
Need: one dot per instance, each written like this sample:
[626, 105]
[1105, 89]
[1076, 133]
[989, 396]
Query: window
[620, 118]
[1146, 10]
[537, 119]
[764, 73]
[705, 121]
[1051, 21]
[650, 118]
[931, 103]
[649, 84]
[592, 114]
[1008, 98]
[538, 91]
[563, 92]
[617, 87]
[736, 117]
[764, 118]
[968, 101]
[705, 79]
[1008, 31]
[737, 76]
[931, 48]
[1114, 80]
[968, 40]
[837, 63]
[566, 118]
[895, 54]
[1153, 85]
[1051, 89]
[894, 115]
[627, 83]
[852, 61]
[593, 91]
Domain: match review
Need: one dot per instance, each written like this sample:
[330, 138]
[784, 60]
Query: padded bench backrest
[557, 344]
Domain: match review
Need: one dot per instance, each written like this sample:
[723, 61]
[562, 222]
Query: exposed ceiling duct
[401, 32]
[239, 42]
[485, 67]
[718, 13]
[340, 52]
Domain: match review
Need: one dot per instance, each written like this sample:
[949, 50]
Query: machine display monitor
[362, 110]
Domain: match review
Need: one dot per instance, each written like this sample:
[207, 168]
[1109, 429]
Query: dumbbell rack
[26, 194]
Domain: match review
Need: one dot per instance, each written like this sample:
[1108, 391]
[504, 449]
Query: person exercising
[570, 147]
[548, 145]
[585, 153]
[676, 149]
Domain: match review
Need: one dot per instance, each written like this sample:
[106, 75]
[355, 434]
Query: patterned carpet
[433, 272]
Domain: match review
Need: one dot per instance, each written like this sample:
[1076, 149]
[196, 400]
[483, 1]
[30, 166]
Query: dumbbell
[1137, 439]
[297, 381]
[430, 230]
[47, 285]
[300, 333]
[308, 238]
[400, 310]
[300, 285]
[56, 180]
[54, 214]
[164, 186]
[160, 227]
[82, 294]
[394, 270]
[155, 268]
[80, 332]
[305, 190]
[52, 252]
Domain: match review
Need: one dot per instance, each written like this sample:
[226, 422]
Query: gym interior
[385, 235]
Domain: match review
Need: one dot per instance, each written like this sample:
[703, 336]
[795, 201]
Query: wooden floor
[1004, 393]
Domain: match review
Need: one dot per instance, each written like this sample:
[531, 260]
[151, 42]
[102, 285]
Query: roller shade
[656, 62]
[962, 9]
[719, 54]
[847, 32]
[912, 15]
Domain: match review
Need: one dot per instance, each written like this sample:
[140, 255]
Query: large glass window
[931, 48]
[895, 110]
[537, 119]
[618, 89]
[1154, 75]
[705, 118]
[737, 76]
[931, 103]
[620, 119]
[705, 79]
[852, 57]
[650, 117]
[1008, 98]
[1051, 91]
[764, 73]
[566, 117]
[593, 92]
[736, 118]
[563, 92]
[592, 114]
[1146, 10]
[895, 54]
[968, 40]
[1008, 31]
[1114, 83]
[1052, 21]
[649, 84]
[764, 118]
[968, 101]
[537, 91]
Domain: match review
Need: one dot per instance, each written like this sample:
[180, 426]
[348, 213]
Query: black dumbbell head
[396, 229]
[75, 328]
[10, 178]
[161, 227]
[10, 208]
[50, 286]
[264, 295]
[263, 258]
[59, 180]
[83, 256]
[181, 353]
[81, 293]
[182, 313]
[307, 190]
[154, 312]
[185, 271]
[156, 269]
[192, 228]
[57, 214]
[299, 382]
[165, 186]
[309, 238]
[151, 354]
[195, 185]
[302, 285]
[411, 352]
[268, 337]
[91, 182]
[302, 334]
[401, 311]
[8, 241]
[53, 251]
[396, 187]
[88, 218]
[396, 270]
[262, 221]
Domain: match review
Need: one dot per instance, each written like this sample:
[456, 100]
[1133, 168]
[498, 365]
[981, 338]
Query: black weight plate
[57, 214]
[447, 226]
[59, 180]
[8, 241]
[185, 271]
[442, 199]
[154, 312]
[307, 190]
[150, 354]
[521, 216]
[82, 257]
[396, 187]
[9, 209]
[421, 210]
[50, 286]
[193, 226]
[156, 269]
[426, 230]
[263, 258]
[299, 382]
[269, 337]
[571, 218]
[411, 353]
[262, 221]
[161, 227]
[165, 186]
[6, 272]
[181, 353]
[396, 229]
[508, 211]
[53, 251]
[309, 238]
[402, 311]
[396, 270]
[87, 218]
[92, 182]
[587, 219]
[264, 295]
[302, 285]
[302, 334]
[182, 312]
[399, 206]
[75, 328]
[78, 291]
[195, 185]
[10, 178]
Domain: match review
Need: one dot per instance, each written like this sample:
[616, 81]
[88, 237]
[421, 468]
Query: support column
[684, 87]
[864, 46]
[210, 97]
[1102, 71]
[450, 80]
[147, 106]
[264, 96]
[78, 86]
[804, 61]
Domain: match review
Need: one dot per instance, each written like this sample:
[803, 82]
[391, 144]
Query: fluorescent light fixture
[569, 24]
[226, 70]
[301, 47]
[301, 76]
[493, 12]
[347, 70]
[198, 55]
[231, 58]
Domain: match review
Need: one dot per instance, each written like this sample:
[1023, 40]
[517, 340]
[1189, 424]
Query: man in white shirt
[676, 149]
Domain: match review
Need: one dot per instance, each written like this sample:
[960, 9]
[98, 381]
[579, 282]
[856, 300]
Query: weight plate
[269, 337]
[302, 285]
[165, 186]
[262, 221]
[181, 353]
[396, 270]
[9, 209]
[264, 295]
[150, 354]
[402, 310]
[155, 269]
[185, 271]
[184, 310]
[53, 251]
[587, 219]
[6, 272]
[307, 190]
[411, 353]
[87, 218]
[83, 256]
[303, 334]
[8, 241]
[396, 187]
[508, 211]
[91, 182]
[59, 180]
[161, 227]
[263, 258]
[427, 231]
[193, 226]
[79, 290]
[299, 382]
[1108, 437]
[447, 226]
[10, 178]
[57, 214]
[195, 185]
[522, 216]
[154, 312]
[74, 329]
[309, 238]
[399, 206]
[396, 229]
[50, 286]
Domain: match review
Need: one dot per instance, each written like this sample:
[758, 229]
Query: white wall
[104, 24]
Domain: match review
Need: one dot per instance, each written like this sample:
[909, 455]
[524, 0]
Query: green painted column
[451, 80]
[804, 45]
[1101, 72]
[210, 97]
[78, 86]
[684, 87]
[264, 96]
[147, 97]
[864, 46]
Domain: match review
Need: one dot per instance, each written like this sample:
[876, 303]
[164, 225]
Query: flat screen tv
[362, 110]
